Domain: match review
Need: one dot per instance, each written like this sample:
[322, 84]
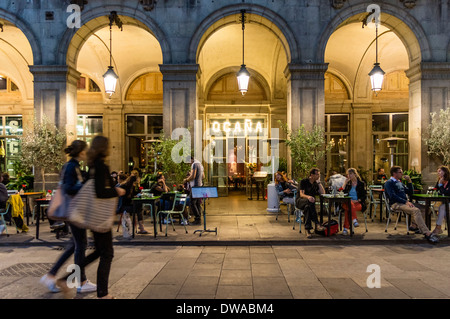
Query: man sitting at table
[396, 192]
[307, 190]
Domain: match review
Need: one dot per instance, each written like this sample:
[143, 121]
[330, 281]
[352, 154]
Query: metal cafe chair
[179, 204]
[4, 212]
[288, 206]
[373, 202]
[393, 211]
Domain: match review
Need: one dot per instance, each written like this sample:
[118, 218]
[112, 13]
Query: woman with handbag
[71, 182]
[103, 188]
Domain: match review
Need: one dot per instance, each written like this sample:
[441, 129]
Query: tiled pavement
[239, 221]
[253, 256]
[246, 272]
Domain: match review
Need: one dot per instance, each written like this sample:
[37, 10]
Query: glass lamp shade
[243, 77]
[376, 77]
[110, 79]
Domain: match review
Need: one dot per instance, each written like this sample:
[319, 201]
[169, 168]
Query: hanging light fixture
[243, 76]
[110, 77]
[377, 74]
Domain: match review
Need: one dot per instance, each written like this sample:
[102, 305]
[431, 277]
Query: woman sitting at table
[285, 189]
[356, 189]
[126, 204]
[161, 188]
[443, 187]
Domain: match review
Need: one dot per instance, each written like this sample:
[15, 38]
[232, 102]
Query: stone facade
[294, 78]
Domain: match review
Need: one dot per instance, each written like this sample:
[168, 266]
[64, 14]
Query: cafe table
[39, 202]
[336, 199]
[428, 198]
[137, 204]
[27, 197]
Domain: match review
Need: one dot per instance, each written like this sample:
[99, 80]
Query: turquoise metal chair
[4, 212]
[178, 206]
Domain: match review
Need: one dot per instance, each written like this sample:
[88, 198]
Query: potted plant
[42, 148]
[307, 148]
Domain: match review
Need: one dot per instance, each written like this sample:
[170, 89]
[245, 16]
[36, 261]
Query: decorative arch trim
[97, 18]
[29, 34]
[418, 47]
[266, 18]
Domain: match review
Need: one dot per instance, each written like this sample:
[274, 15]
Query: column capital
[179, 72]
[309, 71]
[429, 71]
[54, 73]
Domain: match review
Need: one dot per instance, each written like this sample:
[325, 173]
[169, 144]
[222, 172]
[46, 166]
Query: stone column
[361, 145]
[55, 96]
[305, 97]
[179, 96]
[428, 92]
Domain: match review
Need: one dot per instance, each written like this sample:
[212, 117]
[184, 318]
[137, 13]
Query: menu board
[204, 192]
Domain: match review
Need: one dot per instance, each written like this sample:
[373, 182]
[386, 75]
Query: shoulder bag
[59, 204]
[88, 211]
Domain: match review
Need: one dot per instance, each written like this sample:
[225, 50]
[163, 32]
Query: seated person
[381, 176]
[285, 190]
[337, 181]
[356, 189]
[443, 187]
[306, 201]
[126, 205]
[396, 192]
[160, 188]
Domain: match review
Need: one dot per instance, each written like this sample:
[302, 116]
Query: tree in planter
[307, 148]
[42, 147]
[438, 139]
[166, 151]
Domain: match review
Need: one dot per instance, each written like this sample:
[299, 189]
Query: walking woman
[72, 180]
[355, 188]
[443, 186]
[104, 188]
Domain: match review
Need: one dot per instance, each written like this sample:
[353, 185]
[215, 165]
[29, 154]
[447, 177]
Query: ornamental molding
[338, 4]
[148, 5]
[80, 3]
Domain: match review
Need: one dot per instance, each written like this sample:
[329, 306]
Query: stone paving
[239, 221]
[252, 256]
[247, 272]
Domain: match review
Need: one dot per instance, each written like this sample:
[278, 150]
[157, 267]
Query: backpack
[334, 228]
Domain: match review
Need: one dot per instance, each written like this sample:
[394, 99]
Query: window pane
[14, 125]
[93, 87]
[380, 123]
[338, 123]
[81, 84]
[154, 124]
[80, 125]
[400, 122]
[135, 125]
[2, 83]
[380, 146]
[94, 125]
[12, 147]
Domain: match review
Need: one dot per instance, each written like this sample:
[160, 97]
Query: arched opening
[221, 105]
[363, 119]
[132, 114]
[16, 93]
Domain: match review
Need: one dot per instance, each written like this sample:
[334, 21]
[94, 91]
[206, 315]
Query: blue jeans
[76, 246]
